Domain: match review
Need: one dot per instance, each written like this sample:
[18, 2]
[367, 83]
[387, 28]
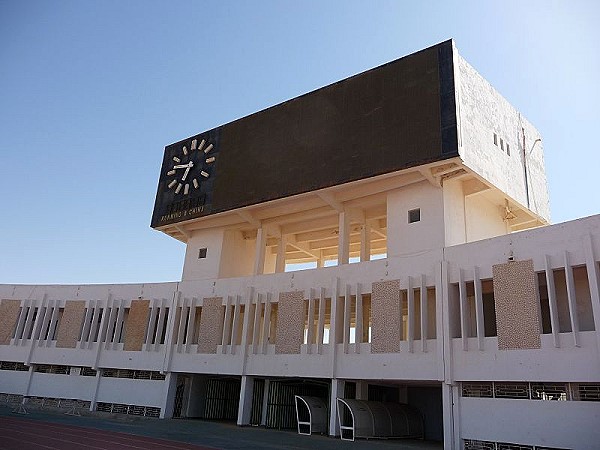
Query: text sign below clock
[186, 179]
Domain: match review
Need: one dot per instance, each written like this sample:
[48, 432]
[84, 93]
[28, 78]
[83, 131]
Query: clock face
[190, 168]
[187, 176]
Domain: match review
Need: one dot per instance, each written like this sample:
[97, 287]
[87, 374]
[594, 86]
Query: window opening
[414, 215]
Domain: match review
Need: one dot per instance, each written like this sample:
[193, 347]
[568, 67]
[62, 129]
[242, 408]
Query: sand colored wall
[70, 324]
[517, 318]
[9, 314]
[290, 323]
[137, 322]
[386, 326]
[211, 325]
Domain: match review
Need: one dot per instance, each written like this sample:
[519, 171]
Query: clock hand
[184, 166]
[185, 174]
[189, 166]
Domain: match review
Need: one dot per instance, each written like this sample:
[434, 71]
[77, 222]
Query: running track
[25, 434]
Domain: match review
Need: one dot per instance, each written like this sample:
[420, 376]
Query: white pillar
[449, 415]
[344, 238]
[362, 390]
[245, 405]
[365, 242]
[96, 389]
[263, 419]
[593, 280]
[337, 390]
[280, 263]
[259, 256]
[169, 390]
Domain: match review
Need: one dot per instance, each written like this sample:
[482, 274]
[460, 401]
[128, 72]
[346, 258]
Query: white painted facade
[471, 209]
[566, 357]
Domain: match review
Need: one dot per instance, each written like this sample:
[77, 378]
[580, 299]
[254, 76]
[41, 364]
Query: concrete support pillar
[263, 419]
[594, 282]
[321, 260]
[245, 405]
[450, 398]
[96, 389]
[337, 390]
[270, 261]
[169, 390]
[280, 263]
[259, 255]
[362, 390]
[344, 238]
[365, 242]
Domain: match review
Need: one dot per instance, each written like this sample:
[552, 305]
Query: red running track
[25, 434]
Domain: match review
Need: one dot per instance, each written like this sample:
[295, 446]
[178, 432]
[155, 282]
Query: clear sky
[92, 91]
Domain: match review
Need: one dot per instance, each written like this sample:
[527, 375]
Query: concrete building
[417, 196]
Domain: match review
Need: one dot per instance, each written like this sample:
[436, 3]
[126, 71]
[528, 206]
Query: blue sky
[91, 92]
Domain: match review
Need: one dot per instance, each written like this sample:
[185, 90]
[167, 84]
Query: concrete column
[362, 390]
[337, 390]
[245, 405]
[96, 389]
[270, 262]
[280, 263]
[263, 419]
[169, 390]
[448, 422]
[259, 256]
[593, 280]
[344, 238]
[365, 242]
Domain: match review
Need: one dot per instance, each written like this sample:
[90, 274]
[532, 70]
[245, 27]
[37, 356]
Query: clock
[187, 176]
[190, 168]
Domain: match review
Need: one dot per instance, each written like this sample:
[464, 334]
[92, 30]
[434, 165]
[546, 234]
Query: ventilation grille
[511, 390]
[88, 372]
[472, 444]
[51, 368]
[11, 365]
[588, 392]
[133, 374]
[134, 410]
[532, 391]
[549, 391]
[11, 398]
[46, 402]
[477, 390]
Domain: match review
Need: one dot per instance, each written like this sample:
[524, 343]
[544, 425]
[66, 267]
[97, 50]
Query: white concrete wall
[454, 212]
[405, 238]
[131, 392]
[483, 219]
[63, 386]
[482, 111]
[195, 268]
[228, 254]
[13, 382]
[559, 424]
[576, 363]
[237, 255]
[443, 359]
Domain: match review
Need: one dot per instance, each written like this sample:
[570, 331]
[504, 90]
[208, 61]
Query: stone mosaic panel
[517, 319]
[385, 317]
[9, 314]
[211, 325]
[137, 322]
[70, 324]
[290, 323]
